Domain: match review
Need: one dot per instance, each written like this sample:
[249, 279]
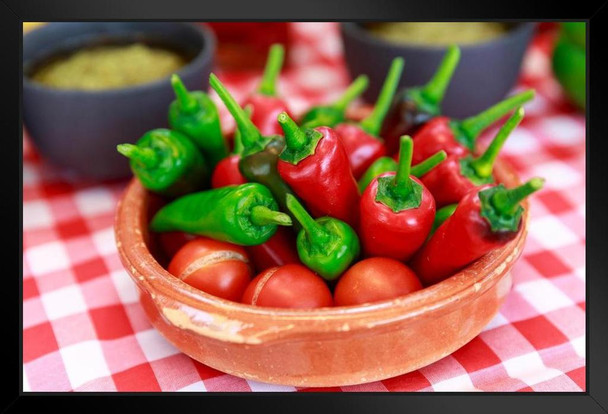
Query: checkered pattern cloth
[84, 329]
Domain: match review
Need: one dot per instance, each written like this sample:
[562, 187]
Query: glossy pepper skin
[245, 215]
[265, 103]
[387, 164]
[167, 163]
[227, 171]
[332, 114]
[486, 218]
[455, 177]
[361, 141]
[413, 107]
[260, 152]
[326, 245]
[569, 61]
[397, 212]
[195, 115]
[279, 250]
[458, 137]
[315, 165]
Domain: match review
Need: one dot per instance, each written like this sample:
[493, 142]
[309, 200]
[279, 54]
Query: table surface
[84, 329]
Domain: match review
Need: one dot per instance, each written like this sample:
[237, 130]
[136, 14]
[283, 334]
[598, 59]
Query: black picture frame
[595, 13]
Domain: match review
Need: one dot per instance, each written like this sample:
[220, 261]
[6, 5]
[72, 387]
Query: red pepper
[485, 219]
[315, 166]
[455, 177]
[265, 103]
[397, 211]
[458, 137]
[227, 171]
[279, 250]
[361, 140]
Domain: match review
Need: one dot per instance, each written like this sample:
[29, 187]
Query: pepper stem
[274, 63]
[238, 142]
[187, 102]
[507, 200]
[434, 90]
[473, 126]
[262, 215]
[315, 232]
[352, 92]
[146, 156]
[373, 122]
[484, 164]
[402, 184]
[428, 164]
[250, 135]
[295, 138]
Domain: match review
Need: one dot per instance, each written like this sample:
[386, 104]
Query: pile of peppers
[407, 197]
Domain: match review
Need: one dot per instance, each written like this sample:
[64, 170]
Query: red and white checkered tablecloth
[84, 329]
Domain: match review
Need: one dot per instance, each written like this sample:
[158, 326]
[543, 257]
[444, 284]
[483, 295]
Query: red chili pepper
[458, 137]
[361, 141]
[485, 219]
[397, 211]
[455, 177]
[315, 166]
[227, 171]
[279, 250]
[265, 102]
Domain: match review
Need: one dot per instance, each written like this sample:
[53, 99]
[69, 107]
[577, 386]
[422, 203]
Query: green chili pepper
[326, 245]
[333, 114]
[166, 162]
[260, 153]
[243, 214]
[442, 215]
[569, 61]
[387, 164]
[195, 115]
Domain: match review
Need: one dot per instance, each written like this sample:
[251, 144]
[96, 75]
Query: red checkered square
[73, 228]
[476, 355]
[205, 371]
[578, 376]
[414, 381]
[139, 378]
[540, 332]
[37, 341]
[547, 263]
[30, 289]
[111, 322]
[90, 269]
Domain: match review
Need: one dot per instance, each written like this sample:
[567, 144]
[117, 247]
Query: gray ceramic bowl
[486, 72]
[79, 130]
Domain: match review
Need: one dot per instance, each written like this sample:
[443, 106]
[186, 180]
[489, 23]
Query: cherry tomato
[218, 268]
[172, 241]
[288, 286]
[279, 250]
[373, 280]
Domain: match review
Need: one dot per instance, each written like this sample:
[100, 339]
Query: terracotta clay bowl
[321, 347]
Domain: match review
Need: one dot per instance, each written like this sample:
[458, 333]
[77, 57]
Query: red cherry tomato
[218, 268]
[279, 250]
[288, 286]
[172, 241]
[373, 280]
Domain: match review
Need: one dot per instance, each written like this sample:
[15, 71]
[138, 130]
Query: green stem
[507, 200]
[484, 164]
[187, 102]
[295, 138]
[402, 183]
[315, 232]
[373, 122]
[262, 215]
[352, 92]
[473, 126]
[434, 90]
[274, 63]
[427, 165]
[238, 137]
[250, 135]
[146, 156]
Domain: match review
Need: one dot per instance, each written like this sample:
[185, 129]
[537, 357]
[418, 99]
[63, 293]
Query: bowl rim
[203, 57]
[355, 30]
[470, 282]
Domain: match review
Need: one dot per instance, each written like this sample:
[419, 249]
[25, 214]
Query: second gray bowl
[485, 74]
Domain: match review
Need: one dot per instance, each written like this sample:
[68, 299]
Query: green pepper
[243, 214]
[326, 245]
[167, 163]
[333, 114]
[195, 115]
[569, 61]
[260, 153]
[387, 164]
